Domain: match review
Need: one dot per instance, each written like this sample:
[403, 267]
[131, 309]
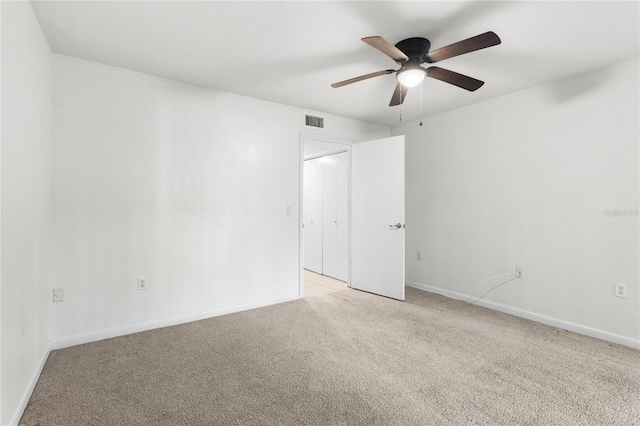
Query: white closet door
[312, 215]
[335, 180]
[330, 221]
[342, 215]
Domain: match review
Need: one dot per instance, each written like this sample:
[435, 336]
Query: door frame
[345, 146]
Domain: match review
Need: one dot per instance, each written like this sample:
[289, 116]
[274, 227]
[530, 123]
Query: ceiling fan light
[411, 77]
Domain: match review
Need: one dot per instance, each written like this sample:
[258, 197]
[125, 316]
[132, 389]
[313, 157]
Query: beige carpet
[345, 358]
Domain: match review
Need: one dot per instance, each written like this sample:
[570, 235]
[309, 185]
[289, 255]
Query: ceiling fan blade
[362, 77]
[398, 95]
[472, 44]
[460, 80]
[387, 48]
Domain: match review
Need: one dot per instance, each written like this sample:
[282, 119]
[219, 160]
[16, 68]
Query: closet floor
[315, 284]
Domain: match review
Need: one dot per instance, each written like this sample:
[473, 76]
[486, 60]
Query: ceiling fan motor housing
[416, 48]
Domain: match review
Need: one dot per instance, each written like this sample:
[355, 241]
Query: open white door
[377, 217]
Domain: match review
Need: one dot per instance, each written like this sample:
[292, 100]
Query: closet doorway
[325, 216]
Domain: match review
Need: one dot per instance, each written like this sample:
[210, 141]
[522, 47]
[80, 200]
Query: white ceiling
[290, 52]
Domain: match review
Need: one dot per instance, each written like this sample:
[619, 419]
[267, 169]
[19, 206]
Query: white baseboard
[565, 325]
[22, 404]
[151, 325]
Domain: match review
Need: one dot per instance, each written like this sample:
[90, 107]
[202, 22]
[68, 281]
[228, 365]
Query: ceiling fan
[412, 52]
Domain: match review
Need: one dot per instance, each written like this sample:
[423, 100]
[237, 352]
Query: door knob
[396, 226]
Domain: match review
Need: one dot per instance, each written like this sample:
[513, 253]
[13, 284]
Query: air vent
[313, 121]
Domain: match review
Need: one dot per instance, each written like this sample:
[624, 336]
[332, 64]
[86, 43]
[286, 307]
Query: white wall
[183, 185]
[26, 192]
[525, 179]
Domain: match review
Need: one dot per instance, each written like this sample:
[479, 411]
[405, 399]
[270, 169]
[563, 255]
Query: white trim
[565, 325]
[327, 154]
[341, 145]
[22, 403]
[300, 212]
[152, 325]
[324, 138]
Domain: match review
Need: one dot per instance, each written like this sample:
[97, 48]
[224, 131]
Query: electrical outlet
[419, 254]
[58, 295]
[519, 272]
[621, 290]
[142, 283]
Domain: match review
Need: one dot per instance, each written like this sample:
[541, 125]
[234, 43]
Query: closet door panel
[312, 215]
[329, 224]
[342, 215]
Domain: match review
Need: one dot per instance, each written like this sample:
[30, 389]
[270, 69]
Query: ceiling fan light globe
[411, 77]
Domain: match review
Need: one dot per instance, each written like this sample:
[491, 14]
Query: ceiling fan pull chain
[421, 104]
